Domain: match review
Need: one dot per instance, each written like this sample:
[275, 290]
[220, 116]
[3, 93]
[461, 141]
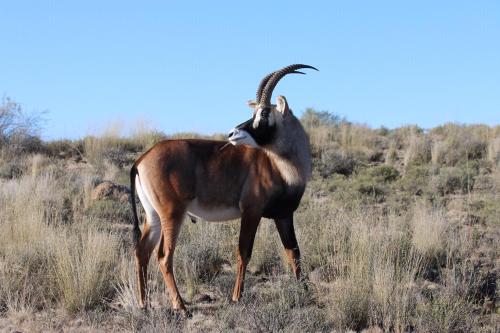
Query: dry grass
[393, 232]
[429, 226]
[372, 271]
[419, 148]
[25, 243]
[145, 135]
[84, 268]
[45, 259]
[494, 151]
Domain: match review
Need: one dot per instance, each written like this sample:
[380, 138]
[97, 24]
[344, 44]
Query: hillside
[398, 229]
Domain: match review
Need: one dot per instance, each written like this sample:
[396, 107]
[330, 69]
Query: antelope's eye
[265, 113]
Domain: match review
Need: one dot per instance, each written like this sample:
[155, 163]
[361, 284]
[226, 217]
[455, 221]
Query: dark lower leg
[247, 235]
[142, 255]
[287, 236]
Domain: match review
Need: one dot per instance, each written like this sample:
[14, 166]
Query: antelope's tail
[136, 231]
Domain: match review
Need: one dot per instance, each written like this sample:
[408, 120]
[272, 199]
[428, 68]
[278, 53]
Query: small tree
[311, 119]
[19, 130]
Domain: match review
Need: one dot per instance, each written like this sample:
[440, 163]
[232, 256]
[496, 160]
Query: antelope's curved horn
[265, 98]
[263, 83]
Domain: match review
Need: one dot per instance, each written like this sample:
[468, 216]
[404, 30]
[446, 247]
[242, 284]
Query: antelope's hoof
[177, 314]
[184, 313]
[188, 314]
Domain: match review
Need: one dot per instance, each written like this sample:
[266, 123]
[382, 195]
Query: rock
[262, 279]
[203, 298]
[110, 190]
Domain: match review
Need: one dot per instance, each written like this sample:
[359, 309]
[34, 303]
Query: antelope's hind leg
[149, 240]
[144, 249]
[170, 226]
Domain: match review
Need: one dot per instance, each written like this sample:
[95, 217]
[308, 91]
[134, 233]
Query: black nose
[233, 132]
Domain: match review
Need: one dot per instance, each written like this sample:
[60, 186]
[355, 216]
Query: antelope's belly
[213, 214]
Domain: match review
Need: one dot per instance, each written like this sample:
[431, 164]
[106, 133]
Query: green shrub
[459, 143]
[384, 173]
[415, 180]
[111, 211]
[281, 305]
[445, 312]
[369, 187]
[453, 180]
[64, 149]
[11, 168]
[332, 162]
[485, 210]
[373, 181]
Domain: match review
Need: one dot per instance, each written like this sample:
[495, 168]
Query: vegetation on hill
[399, 231]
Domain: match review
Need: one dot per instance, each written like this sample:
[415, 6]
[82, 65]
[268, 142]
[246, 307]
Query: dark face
[261, 130]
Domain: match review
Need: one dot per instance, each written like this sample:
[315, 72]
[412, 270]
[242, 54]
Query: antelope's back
[200, 169]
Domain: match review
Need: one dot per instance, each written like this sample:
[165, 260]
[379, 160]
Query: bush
[374, 181]
[332, 162]
[110, 211]
[202, 249]
[419, 149]
[415, 180]
[64, 149]
[369, 187]
[19, 129]
[283, 304]
[445, 312]
[453, 180]
[456, 144]
[11, 168]
[384, 173]
[29, 208]
[429, 226]
[84, 266]
[494, 151]
[99, 150]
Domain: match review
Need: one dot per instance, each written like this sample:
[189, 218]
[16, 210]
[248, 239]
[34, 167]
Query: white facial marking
[213, 214]
[271, 119]
[256, 120]
[241, 137]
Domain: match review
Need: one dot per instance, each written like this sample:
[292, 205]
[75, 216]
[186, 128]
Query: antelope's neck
[293, 171]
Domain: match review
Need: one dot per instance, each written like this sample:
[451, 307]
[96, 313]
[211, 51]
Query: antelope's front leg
[287, 235]
[249, 224]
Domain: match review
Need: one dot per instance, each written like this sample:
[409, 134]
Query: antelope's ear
[252, 104]
[282, 105]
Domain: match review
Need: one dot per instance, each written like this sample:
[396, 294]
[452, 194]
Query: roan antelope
[261, 173]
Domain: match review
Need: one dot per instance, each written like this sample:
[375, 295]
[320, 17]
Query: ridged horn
[265, 98]
[263, 83]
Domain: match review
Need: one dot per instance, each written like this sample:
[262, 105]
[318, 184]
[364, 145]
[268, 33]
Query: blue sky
[191, 66]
